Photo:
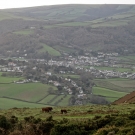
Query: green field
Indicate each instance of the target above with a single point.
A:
(27, 92)
(50, 50)
(48, 99)
(107, 92)
(65, 101)
(10, 103)
(110, 84)
(64, 49)
(8, 79)
(125, 83)
(69, 76)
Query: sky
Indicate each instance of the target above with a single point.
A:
(30, 3)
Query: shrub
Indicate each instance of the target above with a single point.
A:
(4, 123)
(50, 118)
(132, 115)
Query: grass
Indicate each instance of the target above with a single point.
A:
(115, 69)
(74, 112)
(64, 49)
(24, 32)
(10, 103)
(28, 92)
(50, 50)
(59, 97)
(108, 85)
(110, 99)
(48, 99)
(65, 101)
(125, 83)
(8, 79)
(113, 23)
(107, 92)
(69, 75)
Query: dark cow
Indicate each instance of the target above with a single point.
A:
(63, 111)
(47, 109)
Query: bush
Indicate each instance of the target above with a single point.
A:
(4, 123)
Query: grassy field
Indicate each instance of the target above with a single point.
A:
(50, 50)
(125, 83)
(8, 79)
(24, 32)
(28, 91)
(10, 103)
(48, 99)
(115, 69)
(65, 101)
(105, 83)
(74, 112)
(64, 49)
(107, 92)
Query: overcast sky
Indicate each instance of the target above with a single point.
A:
(30, 3)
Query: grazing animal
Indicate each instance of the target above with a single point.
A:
(47, 109)
(63, 111)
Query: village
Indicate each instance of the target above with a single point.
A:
(58, 72)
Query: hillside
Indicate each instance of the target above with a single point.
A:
(129, 98)
(67, 29)
(80, 120)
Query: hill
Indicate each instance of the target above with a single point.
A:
(67, 29)
(129, 98)
(81, 120)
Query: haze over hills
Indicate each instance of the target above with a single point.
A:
(67, 29)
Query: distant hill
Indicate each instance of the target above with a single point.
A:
(67, 29)
(129, 98)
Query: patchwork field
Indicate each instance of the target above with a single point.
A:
(110, 95)
(112, 84)
(113, 89)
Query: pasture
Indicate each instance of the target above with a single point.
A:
(115, 69)
(111, 95)
(73, 112)
(50, 50)
(30, 93)
(8, 79)
(113, 84)
(6, 103)
(124, 83)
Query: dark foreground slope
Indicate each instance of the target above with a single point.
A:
(80, 120)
